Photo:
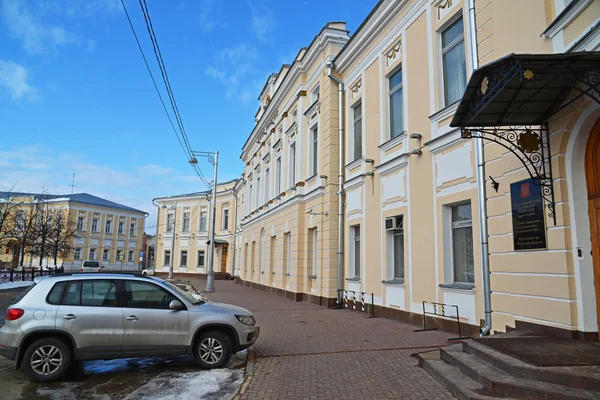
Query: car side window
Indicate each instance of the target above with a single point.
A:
(146, 295)
(56, 293)
(91, 293)
(98, 293)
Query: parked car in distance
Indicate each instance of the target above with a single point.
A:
(87, 316)
(148, 271)
(91, 266)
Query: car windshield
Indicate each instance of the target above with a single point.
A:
(24, 293)
(183, 293)
(91, 264)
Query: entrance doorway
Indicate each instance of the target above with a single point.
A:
(224, 258)
(592, 177)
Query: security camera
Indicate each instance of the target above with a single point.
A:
(309, 211)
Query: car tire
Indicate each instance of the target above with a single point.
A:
(212, 349)
(47, 360)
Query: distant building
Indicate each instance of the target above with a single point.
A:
(106, 231)
(183, 230)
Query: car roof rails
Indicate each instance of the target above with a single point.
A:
(100, 274)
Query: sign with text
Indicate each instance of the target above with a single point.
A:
(529, 228)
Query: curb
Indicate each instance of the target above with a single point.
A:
(247, 375)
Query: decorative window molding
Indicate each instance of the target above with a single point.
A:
(313, 110)
(356, 90)
(443, 8)
(393, 54)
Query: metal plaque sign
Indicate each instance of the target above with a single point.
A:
(529, 228)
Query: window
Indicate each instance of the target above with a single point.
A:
(56, 292)
(454, 62)
(357, 117)
(294, 115)
(292, 164)
(119, 255)
(108, 226)
(278, 176)
(203, 222)
(146, 295)
(167, 258)
(185, 226)
(314, 95)
(183, 258)
(132, 229)
(250, 198)
(462, 244)
(257, 192)
(355, 251)
(95, 225)
(314, 251)
(73, 295)
(130, 256)
(105, 254)
(20, 220)
(201, 258)
(92, 254)
(98, 293)
(395, 94)
(121, 227)
(80, 223)
(225, 219)
(77, 253)
(395, 247)
(263, 245)
(170, 222)
(267, 184)
(314, 150)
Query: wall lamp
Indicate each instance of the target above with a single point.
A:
(311, 212)
(417, 151)
(495, 184)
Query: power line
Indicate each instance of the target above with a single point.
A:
(165, 77)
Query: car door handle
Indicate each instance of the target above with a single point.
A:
(131, 318)
(69, 316)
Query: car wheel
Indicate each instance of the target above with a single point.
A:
(212, 349)
(46, 360)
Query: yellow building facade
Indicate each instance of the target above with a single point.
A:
(422, 82)
(183, 231)
(108, 232)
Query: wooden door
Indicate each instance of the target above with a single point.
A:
(592, 176)
(224, 258)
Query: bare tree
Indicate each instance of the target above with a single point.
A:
(43, 227)
(24, 227)
(8, 209)
(62, 236)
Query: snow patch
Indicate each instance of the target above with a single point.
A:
(18, 284)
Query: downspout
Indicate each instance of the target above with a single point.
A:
(235, 230)
(340, 252)
(481, 194)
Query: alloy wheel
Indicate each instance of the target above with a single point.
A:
(46, 360)
(211, 350)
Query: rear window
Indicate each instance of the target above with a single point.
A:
(24, 293)
(94, 293)
(91, 264)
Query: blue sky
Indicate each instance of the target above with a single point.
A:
(75, 96)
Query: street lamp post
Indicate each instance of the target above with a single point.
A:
(214, 160)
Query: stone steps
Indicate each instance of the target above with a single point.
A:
(470, 370)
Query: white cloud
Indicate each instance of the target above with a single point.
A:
(232, 67)
(14, 78)
(38, 38)
(262, 22)
(207, 17)
(35, 169)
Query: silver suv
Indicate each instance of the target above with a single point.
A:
(81, 316)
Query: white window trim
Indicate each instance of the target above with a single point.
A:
(181, 258)
(95, 230)
(289, 253)
(352, 156)
(312, 158)
(389, 93)
(130, 256)
(292, 182)
(352, 272)
(189, 222)
(204, 258)
(225, 220)
(77, 253)
(267, 184)
(390, 252)
(315, 255)
(278, 174)
(169, 226)
(448, 244)
(165, 257)
(440, 56)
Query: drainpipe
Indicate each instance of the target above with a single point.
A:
(481, 194)
(340, 252)
(235, 229)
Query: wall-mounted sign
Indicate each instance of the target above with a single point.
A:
(529, 227)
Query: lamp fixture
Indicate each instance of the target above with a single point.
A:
(495, 184)
(417, 136)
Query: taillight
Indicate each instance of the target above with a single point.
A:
(13, 314)
(81, 269)
(99, 270)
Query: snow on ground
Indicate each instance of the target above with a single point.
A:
(11, 285)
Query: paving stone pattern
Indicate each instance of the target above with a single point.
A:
(311, 352)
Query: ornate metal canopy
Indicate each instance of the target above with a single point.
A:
(510, 100)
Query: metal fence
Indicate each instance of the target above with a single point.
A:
(440, 310)
(358, 300)
(25, 274)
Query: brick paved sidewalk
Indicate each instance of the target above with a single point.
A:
(311, 352)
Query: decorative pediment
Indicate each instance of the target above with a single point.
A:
(267, 158)
(393, 54)
(291, 131)
(444, 7)
(225, 203)
(121, 218)
(356, 89)
(82, 213)
(313, 110)
(186, 209)
(96, 215)
(277, 146)
(109, 217)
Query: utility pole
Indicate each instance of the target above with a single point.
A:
(173, 243)
(214, 160)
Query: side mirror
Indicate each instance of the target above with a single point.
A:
(102, 266)
(175, 305)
